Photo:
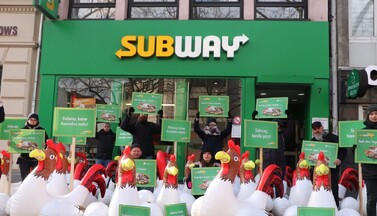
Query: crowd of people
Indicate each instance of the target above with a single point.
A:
(212, 138)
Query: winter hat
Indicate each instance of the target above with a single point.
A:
(371, 108)
(316, 124)
(135, 145)
(33, 115)
(210, 120)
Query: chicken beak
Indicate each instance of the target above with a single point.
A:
(2, 162)
(322, 170)
(304, 164)
(222, 156)
(127, 164)
(116, 158)
(37, 154)
(191, 165)
(249, 165)
(172, 171)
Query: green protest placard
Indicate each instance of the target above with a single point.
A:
(129, 210)
(347, 132)
(201, 178)
(25, 140)
(146, 103)
(175, 130)
(366, 151)
(146, 173)
(68, 140)
(312, 149)
(9, 124)
(315, 211)
(261, 134)
(123, 138)
(213, 106)
(108, 113)
(178, 209)
(272, 107)
(78, 122)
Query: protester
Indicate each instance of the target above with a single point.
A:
(211, 135)
(320, 135)
(2, 112)
(136, 151)
(143, 131)
(369, 171)
(25, 162)
(106, 143)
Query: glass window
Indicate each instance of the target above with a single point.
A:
(281, 9)
(153, 9)
(92, 9)
(216, 9)
(119, 91)
(362, 18)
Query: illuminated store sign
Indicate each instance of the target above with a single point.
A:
(163, 46)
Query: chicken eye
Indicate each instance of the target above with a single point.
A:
(7, 161)
(326, 172)
(318, 172)
(235, 158)
(52, 157)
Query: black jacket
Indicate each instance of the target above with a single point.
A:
(369, 170)
(142, 133)
(106, 142)
(213, 143)
(2, 114)
(37, 127)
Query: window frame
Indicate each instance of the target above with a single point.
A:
(132, 3)
(239, 4)
(303, 3)
(73, 5)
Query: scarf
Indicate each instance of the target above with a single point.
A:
(214, 131)
(370, 125)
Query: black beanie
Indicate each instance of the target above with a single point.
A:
(371, 108)
(33, 115)
(209, 120)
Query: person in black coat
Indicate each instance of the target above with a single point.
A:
(106, 142)
(369, 171)
(142, 131)
(320, 135)
(276, 156)
(2, 112)
(25, 162)
(211, 135)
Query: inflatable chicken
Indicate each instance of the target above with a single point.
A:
(348, 180)
(302, 185)
(4, 170)
(169, 193)
(125, 191)
(57, 185)
(32, 195)
(321, 195)
(247, 180)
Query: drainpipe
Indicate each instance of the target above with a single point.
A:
(33, 101)
(334, 68)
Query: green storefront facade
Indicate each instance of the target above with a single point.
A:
(257, 53)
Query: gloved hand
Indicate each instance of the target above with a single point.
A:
(197, 115)
(255, 113)
(131, 110)
(160, 113)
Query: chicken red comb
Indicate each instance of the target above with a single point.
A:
(50, 143)
(232, 145)
(321, 156)
(302, 155)
(5, 153)
(81, 154)
(61, 146)
(127, 150)
(245, 155)
(172, 158)
(191, 157)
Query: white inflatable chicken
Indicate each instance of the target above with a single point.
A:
(32, 195)
(247, 180)
(57, 184)
(125, 192)
(4, 170)
(321, 195)
(302, 185)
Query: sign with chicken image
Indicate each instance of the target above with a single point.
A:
(366, 151)
(146, 103)
(312, 149)
(213, 106)
(146, 173)
(25, 140)
(108, 113)
(271, 107)
(201, 178)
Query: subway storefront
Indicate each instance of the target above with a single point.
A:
(245, 60)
